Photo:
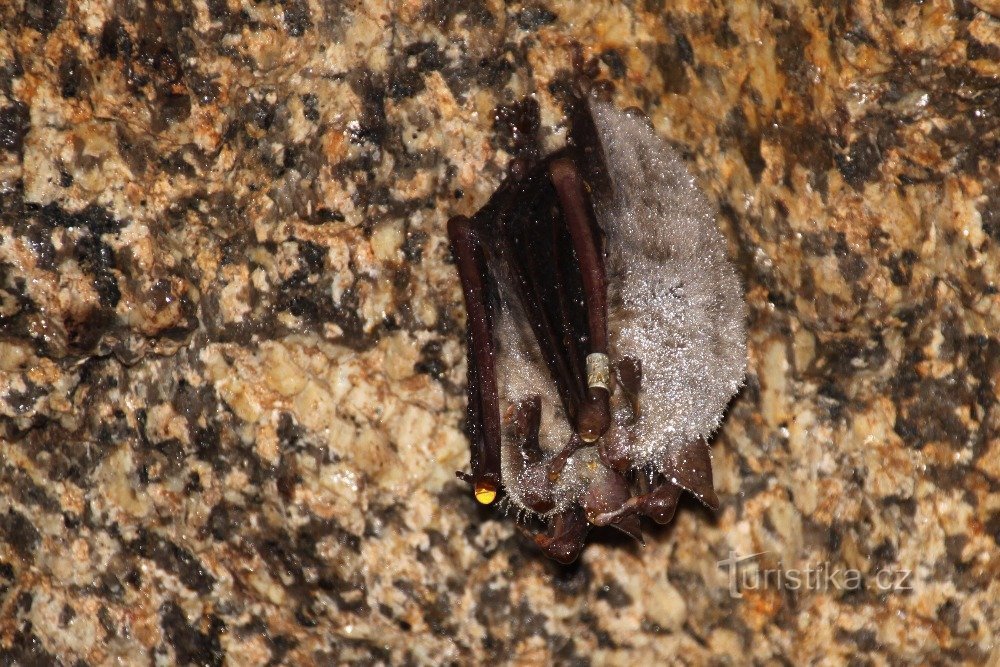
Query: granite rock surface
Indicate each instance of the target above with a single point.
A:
(231, 351)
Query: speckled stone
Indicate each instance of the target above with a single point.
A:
(231, 357)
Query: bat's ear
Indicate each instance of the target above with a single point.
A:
(584, 138)
(586, 72)
(691, 469)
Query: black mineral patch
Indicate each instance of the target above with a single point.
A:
(71, 74)
(447, 12)
(684, 49)
(614, 595)
(297, 19)
(94, 218)
(372, 123)
(852, 264)
(989, 213)
(107, 288)
(93, 254)
(44, 15)
(669, 60)
(173, 559)
(19, 533)
(861, 162)
(192, 645)
(312, 255)
(616, 64)
(218, 10)
(747, 140)
(26, 649)
(407, 70)
(807, 145)
(22, 402)
(993, 527)
(39, 239)
(226, 521)
(930, 413)
(310, 104)
(725, 38)
(790, 50)
(430, 361)
(413, 247)
(115, 40)
(534, 17)
(516, 126)
(175, 108)
(14, 124)
(901, 267)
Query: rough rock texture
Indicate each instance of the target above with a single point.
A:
(230, 336)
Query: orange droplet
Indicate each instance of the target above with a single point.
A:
(485, 493)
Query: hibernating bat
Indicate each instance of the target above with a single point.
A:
(606, 332)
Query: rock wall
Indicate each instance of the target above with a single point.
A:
(231, 350)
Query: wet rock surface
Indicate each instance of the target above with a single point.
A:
(231, 357)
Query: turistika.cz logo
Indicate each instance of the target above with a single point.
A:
(747, 574)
